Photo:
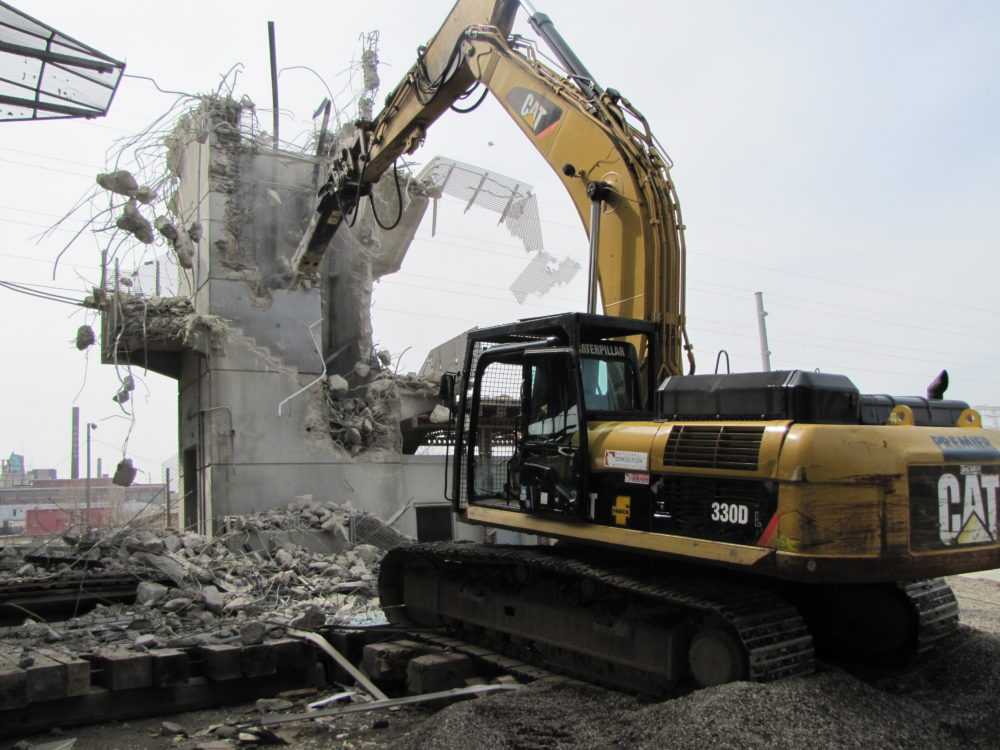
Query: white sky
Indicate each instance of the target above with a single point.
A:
(843, 158)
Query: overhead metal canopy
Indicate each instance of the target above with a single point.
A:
(46, 75)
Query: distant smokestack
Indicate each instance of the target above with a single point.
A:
(74, 454)
(99, 475)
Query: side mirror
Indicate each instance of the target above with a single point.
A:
(446, 391)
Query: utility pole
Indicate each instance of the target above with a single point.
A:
(167, 524)
(765, 353)
(86, 491)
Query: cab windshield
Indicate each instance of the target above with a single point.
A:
(608, 384)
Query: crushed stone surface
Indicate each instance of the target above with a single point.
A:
(944, 700)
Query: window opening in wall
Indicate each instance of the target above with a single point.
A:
(434, 523)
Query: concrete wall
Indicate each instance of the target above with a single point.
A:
(252, 205)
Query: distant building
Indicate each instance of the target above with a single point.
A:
(52, 506)
(12, 470)
(35, 474)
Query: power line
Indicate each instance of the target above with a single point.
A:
(47, 262)
(46, 169)
(694, 254)
(45, 286)
(44, 226)
(49, 157)
(20, 289)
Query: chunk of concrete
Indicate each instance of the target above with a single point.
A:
(433, 673)
(386, 662)
(148, 592)
(170, 667)
(252, 633)
(214, 600)
(124, 670)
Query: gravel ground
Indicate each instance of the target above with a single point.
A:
(943, 701)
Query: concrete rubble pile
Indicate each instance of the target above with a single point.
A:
(159, 322)
(252, 582)
(368, 415)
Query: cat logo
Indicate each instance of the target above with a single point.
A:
(953, 505)
(537, 112)
(967, 506)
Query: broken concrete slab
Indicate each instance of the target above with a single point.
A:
(433, 673)
(387, 662)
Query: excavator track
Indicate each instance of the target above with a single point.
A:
(774, 639)
(936, 608)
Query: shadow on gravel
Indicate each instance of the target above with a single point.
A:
(946, 701)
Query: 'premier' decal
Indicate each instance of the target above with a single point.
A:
(966, 447)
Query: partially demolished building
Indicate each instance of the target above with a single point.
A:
(281, 393)
(281, 390)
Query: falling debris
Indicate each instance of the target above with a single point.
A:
(542, 274)
(85, 337)
(180, 240)
(135, 223)
(514, 200)
(121, 182)
(166, 227)
(124, 473)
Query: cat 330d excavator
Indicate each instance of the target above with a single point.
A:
(710, 527)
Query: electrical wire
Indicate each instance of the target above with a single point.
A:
(40, 294)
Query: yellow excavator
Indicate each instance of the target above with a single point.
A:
(705, 528)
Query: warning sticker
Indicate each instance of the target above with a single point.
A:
(634, 460)
(636, 478)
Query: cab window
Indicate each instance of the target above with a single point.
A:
(608, 384)
(551, 409)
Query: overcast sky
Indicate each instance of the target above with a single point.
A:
(843, 158)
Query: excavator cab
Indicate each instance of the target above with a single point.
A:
(530, 391)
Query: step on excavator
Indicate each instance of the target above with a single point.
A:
(701, 528)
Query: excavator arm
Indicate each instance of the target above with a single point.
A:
(594, 139)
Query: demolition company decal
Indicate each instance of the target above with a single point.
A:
(966, 448)
(631, 460)
(953, 505)
(538, 113)
(603, 350)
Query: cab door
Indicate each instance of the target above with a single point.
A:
(551, 466)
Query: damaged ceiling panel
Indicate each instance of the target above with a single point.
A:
(541, 274)
(513, 200)
(517, 205)
(45, 74)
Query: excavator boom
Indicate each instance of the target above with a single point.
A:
(594, 139)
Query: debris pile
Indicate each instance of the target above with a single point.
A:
(164, 323)
(366, 416)
(252, 582)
